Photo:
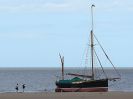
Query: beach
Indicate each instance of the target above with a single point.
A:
(72, 95)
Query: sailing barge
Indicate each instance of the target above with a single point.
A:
(91, 84)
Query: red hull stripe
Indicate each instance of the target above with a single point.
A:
(97, 89)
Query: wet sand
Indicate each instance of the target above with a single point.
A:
(47, 95)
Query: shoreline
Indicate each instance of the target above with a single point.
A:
(67, 95)
(31, 92)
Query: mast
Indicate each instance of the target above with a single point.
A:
(92, 45)
(62, 64)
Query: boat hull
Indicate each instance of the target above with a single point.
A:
(84, 84)
(96, 89)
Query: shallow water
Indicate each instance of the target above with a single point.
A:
(43, 79)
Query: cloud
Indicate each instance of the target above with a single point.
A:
(66, 5)
(63, 5)
(114, 5)
(21, 35)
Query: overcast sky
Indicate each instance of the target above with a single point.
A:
(34, 32)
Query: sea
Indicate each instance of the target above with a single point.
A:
(43, 79)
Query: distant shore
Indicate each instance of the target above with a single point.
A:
(72, 95)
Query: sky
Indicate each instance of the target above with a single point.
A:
(34, 32)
